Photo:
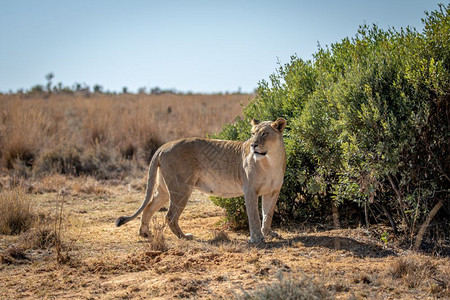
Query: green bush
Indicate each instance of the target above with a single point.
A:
(368, 125)
(235, 209)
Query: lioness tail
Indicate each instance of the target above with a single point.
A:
(152, 171)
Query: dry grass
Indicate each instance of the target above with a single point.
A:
(157, 241)
(102, 135)
(23, 130)
(13, 256)
(423, 272)
(298, 288)
(414, 272)
(35, 231)
(109, 262)
(41, 237)
(219, 237)
(16, 213)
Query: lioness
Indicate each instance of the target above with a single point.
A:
(222, 168)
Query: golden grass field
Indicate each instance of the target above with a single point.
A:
(73, 250)
(34, 129)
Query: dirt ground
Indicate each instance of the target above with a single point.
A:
(102, 261)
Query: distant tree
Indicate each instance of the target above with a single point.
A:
(77, 87)
(125, 90)
(156, 90)
(98, 88)
(38, 88)
(49, 78)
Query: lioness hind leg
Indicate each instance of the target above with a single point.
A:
(177, 204)
(159, 199)
(179, 192)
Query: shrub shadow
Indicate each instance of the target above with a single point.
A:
(359, 249)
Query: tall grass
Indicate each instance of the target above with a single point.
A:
(19, 217)
(25, 128)
(103, 134)
(16, 214)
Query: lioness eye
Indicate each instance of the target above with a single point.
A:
(265, 134)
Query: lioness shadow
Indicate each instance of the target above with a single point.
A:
(359, 249)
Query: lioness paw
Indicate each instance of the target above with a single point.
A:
(188, 236)
(272, 234)
(256, 240)
(144, 234)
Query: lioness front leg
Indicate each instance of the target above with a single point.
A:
(254, 221)
(269, 203)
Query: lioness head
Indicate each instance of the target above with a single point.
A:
(266, 136)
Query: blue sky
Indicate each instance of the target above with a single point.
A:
(198, 46)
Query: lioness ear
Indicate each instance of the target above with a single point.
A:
(279, 124)
(254, 122)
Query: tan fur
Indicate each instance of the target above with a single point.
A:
(222, 168)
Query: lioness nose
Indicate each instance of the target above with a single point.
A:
(254, 145)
